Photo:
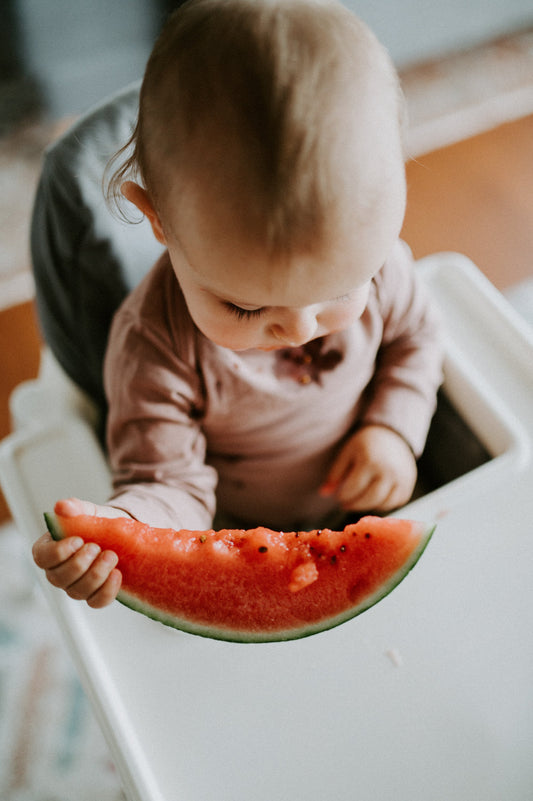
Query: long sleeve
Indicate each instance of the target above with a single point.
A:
(155, 440)
(402, 392)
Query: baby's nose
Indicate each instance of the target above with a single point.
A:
(296, 326)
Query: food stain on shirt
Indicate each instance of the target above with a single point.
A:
(307, 363)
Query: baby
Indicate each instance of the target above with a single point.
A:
(279, 364)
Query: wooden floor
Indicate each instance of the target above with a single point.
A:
(475, 197)
(19, 360)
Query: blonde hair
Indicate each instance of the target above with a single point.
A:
(262, 80)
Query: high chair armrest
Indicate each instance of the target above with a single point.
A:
(54, 451)
(47, 459)
(51, 396)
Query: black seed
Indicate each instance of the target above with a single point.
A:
(333, 559)
(367, 536)
(262, 549)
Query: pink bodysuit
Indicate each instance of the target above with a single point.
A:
(195, 428)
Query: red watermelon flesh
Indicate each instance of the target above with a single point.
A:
(254, 585)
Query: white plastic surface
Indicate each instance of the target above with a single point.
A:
(428, 695)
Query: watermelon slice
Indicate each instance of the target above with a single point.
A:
(254, 585)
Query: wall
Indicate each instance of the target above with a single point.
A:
(82, 51)
(418, 30)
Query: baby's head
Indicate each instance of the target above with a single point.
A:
(268, 157)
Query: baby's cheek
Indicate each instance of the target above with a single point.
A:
(344, 316)
(229, 333)
(346, 312)
(360, 301)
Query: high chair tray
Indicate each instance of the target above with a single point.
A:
(428, 695)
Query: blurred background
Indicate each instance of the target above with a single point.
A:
(65, 56)
(466, 65)
(467, 72)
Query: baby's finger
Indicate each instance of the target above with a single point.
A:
(107, 592)
(48, 554)
(71, 570)
(399, 495)
(362, 502)
(356, 486)
(70, 507)
(375, 495)
(94, 578)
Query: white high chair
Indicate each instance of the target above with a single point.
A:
(428, 695)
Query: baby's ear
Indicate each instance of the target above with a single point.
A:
(140, 198)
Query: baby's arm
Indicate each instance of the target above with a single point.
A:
(155, 439)
(82, 570)
(376, 468)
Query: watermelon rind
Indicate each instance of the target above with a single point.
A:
(54, 526)
(237, 636)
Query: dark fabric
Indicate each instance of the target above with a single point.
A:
(85, 259)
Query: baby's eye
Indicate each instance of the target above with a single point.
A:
(243, 314)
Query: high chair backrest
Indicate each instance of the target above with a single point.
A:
(86, 259)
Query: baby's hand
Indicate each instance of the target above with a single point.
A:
(375, 470)
(82, 570)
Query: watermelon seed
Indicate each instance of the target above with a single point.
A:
(342, 548)
(333, 559)
(202, 538)
(262, 549)
(367, 536)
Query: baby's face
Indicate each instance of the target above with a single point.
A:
(241, 299)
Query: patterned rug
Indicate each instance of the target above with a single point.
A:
(51, 748)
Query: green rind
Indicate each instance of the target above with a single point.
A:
(53, 525)
(229, 635)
